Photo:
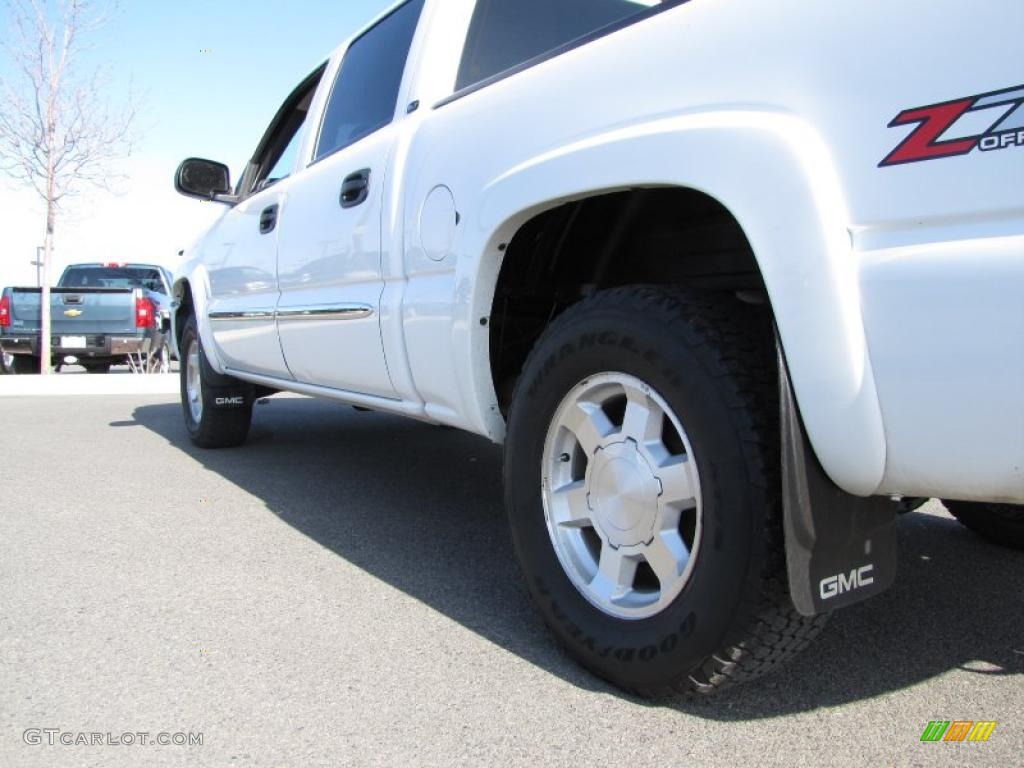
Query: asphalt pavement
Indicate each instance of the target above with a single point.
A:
(341, 591)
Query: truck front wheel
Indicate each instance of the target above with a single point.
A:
(999, 523)
(643, 487)
(217, 408)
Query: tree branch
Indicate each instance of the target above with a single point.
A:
(58, 134)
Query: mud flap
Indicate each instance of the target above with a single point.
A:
(840, 548)
(232, 397)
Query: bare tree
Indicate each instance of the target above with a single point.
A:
(58, 132)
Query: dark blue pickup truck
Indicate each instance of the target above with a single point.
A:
(100, 314)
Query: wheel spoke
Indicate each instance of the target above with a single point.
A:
(642, 419)
(615, 573)
(621, 491)
(569, 505)
(667, 555)
(677, 485)
(193, 381)
(670, 517)
(589, 424)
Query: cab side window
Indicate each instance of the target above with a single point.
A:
(365, 92)
(507, 33)
(286, 162)
(277, 153)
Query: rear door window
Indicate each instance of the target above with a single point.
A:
(365, 93)
(505, 34)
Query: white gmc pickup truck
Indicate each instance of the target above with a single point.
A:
(735, 283)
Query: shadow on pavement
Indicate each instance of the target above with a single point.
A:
(420, 507)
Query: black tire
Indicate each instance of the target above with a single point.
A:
(1001, 524)
(25, 364)
(712, 360)
(222, 424)
(97, 367)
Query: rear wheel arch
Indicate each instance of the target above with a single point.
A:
(552, 258)
(777, 176)
(817, 327)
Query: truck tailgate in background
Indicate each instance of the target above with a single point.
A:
(76, 310)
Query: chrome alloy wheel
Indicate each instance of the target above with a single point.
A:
(194, 382)
(621, 495)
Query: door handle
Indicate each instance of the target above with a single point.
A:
(355, 188)
(268, 220)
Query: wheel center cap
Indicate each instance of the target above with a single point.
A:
(623, 494)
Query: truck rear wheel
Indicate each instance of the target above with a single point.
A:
(160, 360)
(25, 364)
(1001, 524)
(217, 408)
(643, 487)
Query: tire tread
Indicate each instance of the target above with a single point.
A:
(735, 341)
(219, 428)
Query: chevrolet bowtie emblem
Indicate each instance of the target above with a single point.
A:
(72, 312)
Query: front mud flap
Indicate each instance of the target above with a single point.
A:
(840, 548)
(231, 398)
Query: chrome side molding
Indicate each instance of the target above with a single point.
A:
(253, 314)
(316, 312)
(328, 312)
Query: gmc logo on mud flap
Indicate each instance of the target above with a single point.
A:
(229, 401)
(843, 582)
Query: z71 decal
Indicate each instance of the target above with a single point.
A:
(987, 122)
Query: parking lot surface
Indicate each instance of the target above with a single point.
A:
(341, 591)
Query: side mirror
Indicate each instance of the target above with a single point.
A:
(204, 179)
